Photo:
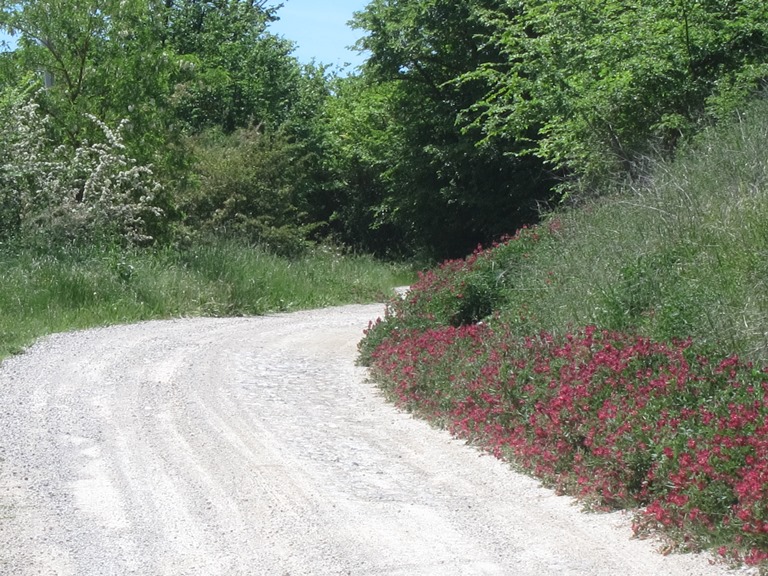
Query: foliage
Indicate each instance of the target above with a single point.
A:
(593, 87)
(320, 193)
(441, 189)
(615, 349)
(247, 189)
(102, 58)
(54, 195)
(358, 136)
(234, 73)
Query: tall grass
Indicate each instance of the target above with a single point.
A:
(682, 253)
(84, 287)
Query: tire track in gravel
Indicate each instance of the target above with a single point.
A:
(256, 446)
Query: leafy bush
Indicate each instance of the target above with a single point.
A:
(246, 188)
(53, 195)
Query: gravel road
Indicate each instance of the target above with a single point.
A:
(256, 446)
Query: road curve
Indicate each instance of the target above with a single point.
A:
(255, 446)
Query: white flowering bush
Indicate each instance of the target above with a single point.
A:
(53, 194)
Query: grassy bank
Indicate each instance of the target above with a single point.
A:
(79, 288)
(615, 351)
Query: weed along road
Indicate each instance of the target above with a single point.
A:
(255, 446)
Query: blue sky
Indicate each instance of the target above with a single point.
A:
(318, 28)
(4, 38)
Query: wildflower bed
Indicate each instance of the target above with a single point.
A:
(617, 419)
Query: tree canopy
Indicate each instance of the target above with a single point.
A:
(445, 188)
(591, 87)
(468, 118)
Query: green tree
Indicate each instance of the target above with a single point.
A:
(102, 58)
(250, 109)
(444, 191)
(358, 134)
(235, 73)
(592, 87)
(162, 65)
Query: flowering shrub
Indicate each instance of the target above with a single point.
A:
(618, 420)
(456, 293)
(57, 194)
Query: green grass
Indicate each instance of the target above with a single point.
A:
(683, 253)
(81, 288)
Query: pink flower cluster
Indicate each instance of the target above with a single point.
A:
(618, 420)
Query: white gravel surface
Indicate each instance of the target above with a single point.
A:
(256, 446)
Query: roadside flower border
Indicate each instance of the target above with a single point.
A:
(615, 419)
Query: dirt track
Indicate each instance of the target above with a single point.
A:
(255, 446)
